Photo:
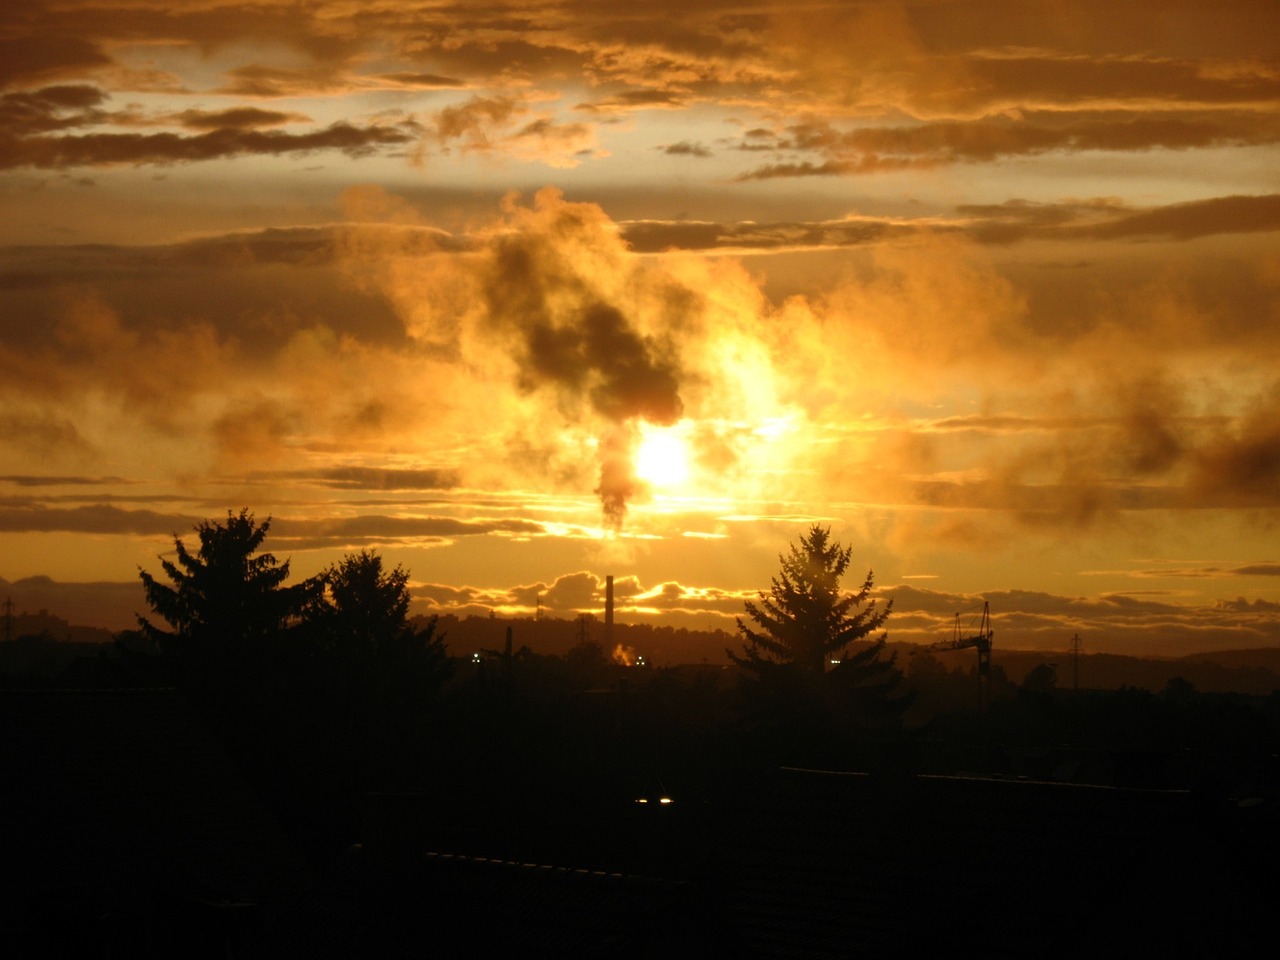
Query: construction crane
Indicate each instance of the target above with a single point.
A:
(962, 639)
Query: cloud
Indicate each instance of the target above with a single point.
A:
(584, 592)
(806, 168)
(628, 100)
(471, 122)
(1013, 221)
(253, 429)
(929, 62)
(654, 236)
(1221, 572)
(1258, 570)
(63, 481)
(547, 291)
(884, 87)
(258, 81)
(25, 59)
(536, 349)
(422, 81)
(568, 592)
(1038, 372)
(43, 434)
(1200, 218)
(550, 304)
(96, 518)
(31, 112)
(509, 125)
(686, 148)
(35, 125)
(374, 478)
(1240, 467)
(1107, 219)
(288, 533)
(868, 150)
(373, 529)
(106, 149)
(237, 118)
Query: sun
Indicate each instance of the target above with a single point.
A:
(662, 457)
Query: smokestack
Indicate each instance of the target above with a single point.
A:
(608, 612)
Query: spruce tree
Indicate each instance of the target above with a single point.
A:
(225, 597)
(803, 635)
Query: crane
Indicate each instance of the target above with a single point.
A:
(962, 639)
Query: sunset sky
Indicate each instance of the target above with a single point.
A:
(521, 294)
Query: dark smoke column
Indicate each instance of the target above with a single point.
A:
(617, 474)
(571, 339)
(626, 377)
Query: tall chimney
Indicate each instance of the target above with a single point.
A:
(608, 613)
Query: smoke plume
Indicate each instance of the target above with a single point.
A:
(575, 308)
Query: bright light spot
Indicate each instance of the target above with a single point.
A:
(662, 458)
(774, 427)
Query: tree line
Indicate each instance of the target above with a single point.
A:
(325, 691)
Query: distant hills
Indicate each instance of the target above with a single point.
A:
(1254, 672)
(54, 627)
(52, 642)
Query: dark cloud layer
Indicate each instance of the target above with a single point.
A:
(878, 149)
(36, 130)
(377, 478)
(161, 148)
(95, 518)
(289, 533)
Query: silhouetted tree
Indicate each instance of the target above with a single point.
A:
(1042, 678)
(805, 620)
(226, 596)
(364, 606)
(804, 625)
(1179, 690)
(362, 618)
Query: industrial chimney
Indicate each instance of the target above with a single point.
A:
(608, 612)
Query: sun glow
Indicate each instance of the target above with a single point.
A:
(662, 457)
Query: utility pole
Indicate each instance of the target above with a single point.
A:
(8, 619)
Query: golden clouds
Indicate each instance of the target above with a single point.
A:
(529, 352)
(975, 280)
(510, 126)
(848, 89)
(229, 133)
